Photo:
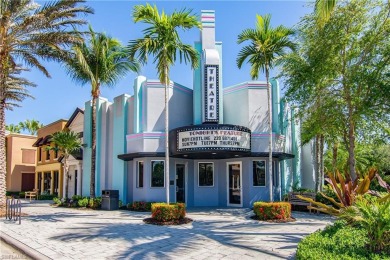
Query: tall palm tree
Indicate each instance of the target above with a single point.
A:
(100, 61)
(31, 126)
(161, 39)
(66, 143)
(30, 33)
(266, 47)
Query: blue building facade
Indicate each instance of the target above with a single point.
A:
(218, 138)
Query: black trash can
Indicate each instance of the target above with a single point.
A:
(110, 199)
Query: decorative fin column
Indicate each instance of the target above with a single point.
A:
(211, 89)
(120, 115)
(87, 151)
(138, 82)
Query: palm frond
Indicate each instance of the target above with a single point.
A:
(161, 39)
(267, 45)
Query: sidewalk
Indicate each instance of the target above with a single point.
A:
(62, 233)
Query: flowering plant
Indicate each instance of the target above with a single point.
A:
(167, 212)
(272, 210)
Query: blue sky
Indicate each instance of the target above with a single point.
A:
(57, 97)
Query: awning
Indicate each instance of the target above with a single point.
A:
(207, 155)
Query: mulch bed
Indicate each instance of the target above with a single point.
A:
(275, 220)
(173, 222)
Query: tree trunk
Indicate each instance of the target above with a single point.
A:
(335, 155)
(321, 165)
(3, 171)
(351, 138)
(351, 150)
(93, 147)
(166, 134)
(317, 163)
(271, 197)
(67, 178)
(3, 77)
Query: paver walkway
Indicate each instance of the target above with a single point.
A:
(62, 233)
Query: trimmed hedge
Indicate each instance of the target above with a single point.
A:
(140, 206)
(338, 241)
(272, 210)
(164, 212)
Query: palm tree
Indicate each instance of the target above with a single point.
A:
(162, 40)
(267, 47)
(323, 10)
(30, 33)
(31, 126)
(66, 143)
(13, 128)
(100, 61)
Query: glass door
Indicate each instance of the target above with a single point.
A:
(180, 183)
(234, 184)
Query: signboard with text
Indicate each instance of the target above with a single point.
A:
(214, 139)
(211, 93)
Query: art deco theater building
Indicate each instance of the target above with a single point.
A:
(218, 138)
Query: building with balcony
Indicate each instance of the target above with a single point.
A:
(48, 171)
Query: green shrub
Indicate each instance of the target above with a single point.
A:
(77, 197)
(140, 206)
(57, 201)
(12, 193)
(272, 210)
(164, 212)
(82, 202)
(338, 241)
(372, 215)
(46, 197)
(95, 203)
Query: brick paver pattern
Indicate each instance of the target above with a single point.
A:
(65, 233)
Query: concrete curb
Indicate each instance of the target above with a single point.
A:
(22, 247)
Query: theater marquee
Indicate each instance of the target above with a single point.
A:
(212, 137)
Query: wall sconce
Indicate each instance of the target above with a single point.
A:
(69, 177)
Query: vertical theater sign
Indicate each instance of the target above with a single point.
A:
(211, 92)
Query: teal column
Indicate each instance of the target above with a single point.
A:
(100, 144)
(296, 148)
(283, 125)
(197, 88)
(218, 47)
(138, 103)
(282, 121)
(275, 105)
(119, 172)
(87, 141)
